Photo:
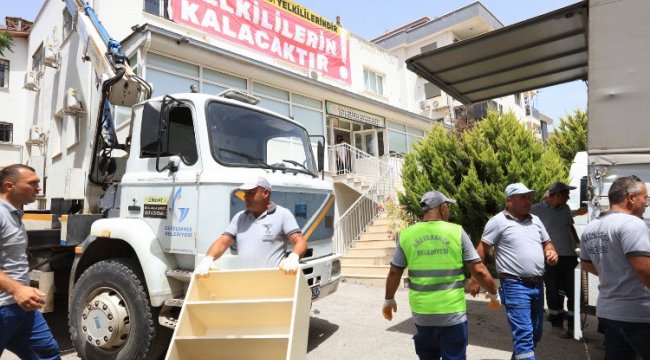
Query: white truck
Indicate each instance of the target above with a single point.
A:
(160, 191)
(603, 42)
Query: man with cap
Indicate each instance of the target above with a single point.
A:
(521, 244)
(434, 251)
(261, 233)
(556, 217)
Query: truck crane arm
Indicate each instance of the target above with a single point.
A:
(119, 86)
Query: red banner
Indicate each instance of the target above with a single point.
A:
(277, 28)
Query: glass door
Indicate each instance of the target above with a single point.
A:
(366, 141)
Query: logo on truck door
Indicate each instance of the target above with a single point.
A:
(179, 213)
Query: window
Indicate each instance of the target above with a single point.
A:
(177, 139)
(305, 110)
(6, 132)
(401, 138)
(68, 21)
(37, 59)
(4, 73)
(373, 82)
(156, 7)
(243, 137)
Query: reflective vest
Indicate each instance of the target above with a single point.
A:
(434, 258)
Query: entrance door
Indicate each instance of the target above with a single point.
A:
(366, 141)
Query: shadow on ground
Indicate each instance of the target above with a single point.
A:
(319, 331)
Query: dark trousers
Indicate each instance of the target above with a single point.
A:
(624, 340)
(559, 283)
(446, 342)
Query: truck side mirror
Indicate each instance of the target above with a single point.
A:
(321, 156)
(584, 191)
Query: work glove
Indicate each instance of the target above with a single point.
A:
(202, 270)
(290, 264)
(390, 306)
(495, 301)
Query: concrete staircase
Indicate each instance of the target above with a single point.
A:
(356, 182)
(368, 260)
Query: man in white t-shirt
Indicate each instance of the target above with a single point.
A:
(261, 233)
(616, 247)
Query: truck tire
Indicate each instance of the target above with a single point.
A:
(110, 316)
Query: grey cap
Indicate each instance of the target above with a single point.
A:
(258, 181)
(558, 187)
(433, 199)
(517, 189)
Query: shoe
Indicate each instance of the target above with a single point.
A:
(566, 334)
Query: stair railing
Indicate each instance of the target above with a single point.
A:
(365, 209)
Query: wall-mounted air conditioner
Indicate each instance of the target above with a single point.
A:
(71, 103)
(35, 136)
(32, 80)
(51, 55)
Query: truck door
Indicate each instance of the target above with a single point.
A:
(170, 196)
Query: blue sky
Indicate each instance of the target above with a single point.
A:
(371, 18)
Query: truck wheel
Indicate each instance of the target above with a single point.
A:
(110, 316)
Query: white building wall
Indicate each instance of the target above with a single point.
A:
(13, 102)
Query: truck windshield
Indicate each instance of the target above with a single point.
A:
(241, 136)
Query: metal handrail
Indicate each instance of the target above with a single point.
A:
(363, 211)
(346, 159)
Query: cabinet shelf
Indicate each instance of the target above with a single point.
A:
(245, 314)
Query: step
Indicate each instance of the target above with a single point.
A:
(387, 243)
(368, 236)
(377, 229)
(375, 270)
(382, 221)
(365, 260)
(379, 251)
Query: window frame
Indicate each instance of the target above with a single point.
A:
(8, 129)
(378, 85)
(5, 66)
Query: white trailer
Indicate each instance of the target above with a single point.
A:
(159, 191)
(602, 42)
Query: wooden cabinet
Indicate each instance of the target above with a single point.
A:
(245, 314)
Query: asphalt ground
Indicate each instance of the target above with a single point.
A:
(349, 325)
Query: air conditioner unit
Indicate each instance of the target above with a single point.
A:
(435, 104)
(32, 81)
(51, 55)
(35, 136)
(71, 103)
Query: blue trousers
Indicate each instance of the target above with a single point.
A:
(524, 303)
(26, 334)
(448, 342)
(623, 340)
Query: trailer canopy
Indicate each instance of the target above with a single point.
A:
(546, 50)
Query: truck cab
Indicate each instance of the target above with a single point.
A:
(173, 194)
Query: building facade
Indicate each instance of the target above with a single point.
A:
(299, 64)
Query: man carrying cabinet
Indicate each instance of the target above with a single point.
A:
(260, 232)
(434, 252)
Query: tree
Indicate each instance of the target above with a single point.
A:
(475, 166)
(6, 42)
(570, 136)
